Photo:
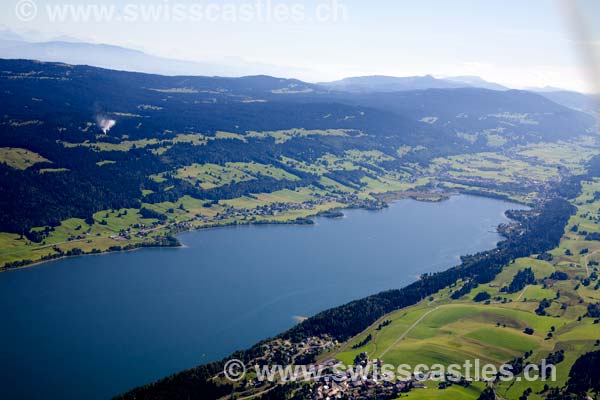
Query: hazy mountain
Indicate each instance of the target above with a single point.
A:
(476, 81)
(6, 34)
(380, 83)
(545, 89)
(33, 36)
(204, 104)
(120, 58)
(577, 101)
(104, 56)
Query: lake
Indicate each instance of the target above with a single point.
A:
(94, 326)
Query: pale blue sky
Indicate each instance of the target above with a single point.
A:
(517, 43)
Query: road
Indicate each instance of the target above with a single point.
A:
(586, 260)
(522, 293)
(406, 332)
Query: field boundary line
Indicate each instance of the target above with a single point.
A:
(407, 331)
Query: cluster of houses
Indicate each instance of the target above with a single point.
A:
(268, 210)
(330, 380)
(342, 387)
(230, 212)
(352, 384)
(285, 352)
(273, 209)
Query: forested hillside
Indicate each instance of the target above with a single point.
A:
(82, 146)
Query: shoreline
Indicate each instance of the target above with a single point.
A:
(217, 364)
(68, 267)
(334, 213)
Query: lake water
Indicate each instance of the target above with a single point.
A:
(92, 327)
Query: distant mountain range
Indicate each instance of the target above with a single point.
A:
(476, 81)
(106, 56)
(71, 51)
(60, 111)
(379, 83)
(388, 84)
(264, 103)
(577, 101)
(125, 59)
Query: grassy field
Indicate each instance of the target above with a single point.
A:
(125, 145)
(229, 136)
(453, 392)
(74, 233)
(51, 170)
(196, 139)
(20, 158)
(569, 155)
(493, 166)
(285, 135)
(208, 176)
(281, 196)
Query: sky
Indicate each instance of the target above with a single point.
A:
(516, 43)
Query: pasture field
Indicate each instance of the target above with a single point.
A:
(52, 170)
(453, 333)
(75, 233)
(281, 196)
(570, 155)
(196, 139)
(125, 145)
(229, 136)
(371, 156)
(331, 162)
(332, 185)
(391, 183)
(495, 140)
(494, 167)
(105, 162)
(453, 392)
(315, 168)
(285, 135)
(258, 169)
(20, 158)
(209, 176)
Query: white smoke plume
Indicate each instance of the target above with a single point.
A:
(105, 124)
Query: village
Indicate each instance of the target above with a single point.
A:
(234, 215)
(284, 361)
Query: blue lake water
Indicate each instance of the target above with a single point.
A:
(94, 326)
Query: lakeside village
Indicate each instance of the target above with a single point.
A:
(176, 220)
(328, 379)
(259, 215)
